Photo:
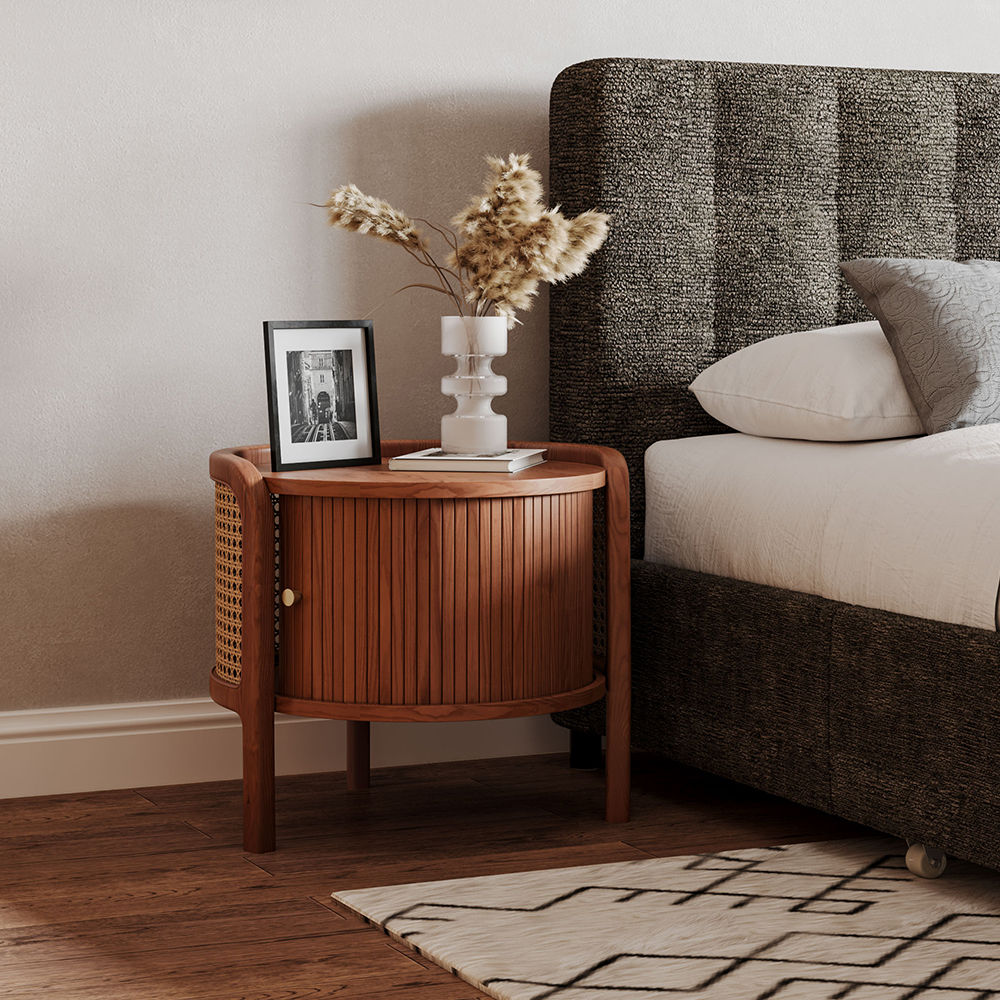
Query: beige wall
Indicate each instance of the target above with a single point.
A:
(155, 162)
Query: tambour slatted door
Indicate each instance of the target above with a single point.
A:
(530, 599)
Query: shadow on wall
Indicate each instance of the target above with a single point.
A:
(128, 587)
(426, 157)
(114, 603)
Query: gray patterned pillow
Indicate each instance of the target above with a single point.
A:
(942, 320)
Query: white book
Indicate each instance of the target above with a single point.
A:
(435, 460)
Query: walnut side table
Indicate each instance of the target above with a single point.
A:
(368, 595)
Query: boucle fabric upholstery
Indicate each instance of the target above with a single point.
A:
(735, 190)
(883, 719)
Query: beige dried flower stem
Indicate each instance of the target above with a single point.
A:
(350, 208)
(413, 284)
(507, 243)
(428, 261)
(452, 240)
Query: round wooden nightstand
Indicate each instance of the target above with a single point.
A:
(368, 595)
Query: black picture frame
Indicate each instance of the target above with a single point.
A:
(321, 417)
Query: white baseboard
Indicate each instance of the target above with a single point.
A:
(53, 751)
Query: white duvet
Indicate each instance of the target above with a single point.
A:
(908, 525)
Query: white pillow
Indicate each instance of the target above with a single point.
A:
(840, 383)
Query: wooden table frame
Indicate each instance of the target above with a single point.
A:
(243, 471)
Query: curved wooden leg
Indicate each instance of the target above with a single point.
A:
(358, 755)
(617, 755)
(617, 759)
(258, 782)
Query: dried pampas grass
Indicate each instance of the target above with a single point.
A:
(349, 208)
(508, 242)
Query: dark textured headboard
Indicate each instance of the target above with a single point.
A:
(734, 190)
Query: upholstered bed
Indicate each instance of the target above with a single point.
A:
(735, 190)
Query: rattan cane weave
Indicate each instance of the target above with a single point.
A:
(276, 512)
(228, 585)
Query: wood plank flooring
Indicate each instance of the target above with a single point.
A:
(146, 893)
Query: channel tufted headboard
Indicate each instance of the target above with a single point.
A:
(735, 189)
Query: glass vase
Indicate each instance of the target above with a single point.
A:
(474, 341)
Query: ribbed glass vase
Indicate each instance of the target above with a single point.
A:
(474, 341)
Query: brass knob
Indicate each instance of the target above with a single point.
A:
(289, 596)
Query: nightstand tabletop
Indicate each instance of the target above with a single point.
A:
(380, 481)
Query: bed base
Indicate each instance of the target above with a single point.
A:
(883, 719)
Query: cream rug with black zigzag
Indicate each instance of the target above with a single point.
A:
(842, 920)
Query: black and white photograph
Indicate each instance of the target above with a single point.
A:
(321, 396)
(321, 393)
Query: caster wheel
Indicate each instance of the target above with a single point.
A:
(926, 862)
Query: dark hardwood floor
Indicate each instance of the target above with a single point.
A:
(147, 893)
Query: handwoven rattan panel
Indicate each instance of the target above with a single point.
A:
(228, 585)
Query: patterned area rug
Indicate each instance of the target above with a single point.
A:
(842, 920)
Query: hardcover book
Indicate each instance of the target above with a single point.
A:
(435, 460)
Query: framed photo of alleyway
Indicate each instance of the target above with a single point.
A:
(321, 395)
